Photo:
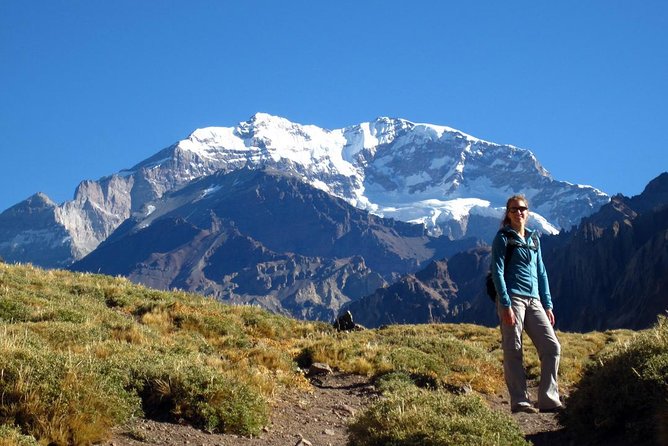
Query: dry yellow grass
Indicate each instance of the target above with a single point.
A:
(132, 351)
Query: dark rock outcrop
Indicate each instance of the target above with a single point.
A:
(612, 270)
(444, 291)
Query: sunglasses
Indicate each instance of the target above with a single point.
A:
(514, 209)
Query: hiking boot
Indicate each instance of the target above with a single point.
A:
(557, 409)
(524, 409)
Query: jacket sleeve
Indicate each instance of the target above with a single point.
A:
(497, 268)
(543, 283)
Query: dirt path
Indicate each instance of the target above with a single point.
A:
(541, 429)
(319, 417)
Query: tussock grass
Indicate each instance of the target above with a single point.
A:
(426, 350)
(411, 416)
(624, 392)
(80, 353)
(64, 397)
(460, 355)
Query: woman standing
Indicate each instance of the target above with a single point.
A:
(524, 303)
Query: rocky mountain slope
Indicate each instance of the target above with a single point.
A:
(442, 178)
(28, 233)
(446, 290)
(264, 237)
(611, 271)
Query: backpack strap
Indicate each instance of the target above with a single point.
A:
(512, 243)
(510, 248)
(534, 237)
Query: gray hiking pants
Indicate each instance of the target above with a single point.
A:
(531, 317)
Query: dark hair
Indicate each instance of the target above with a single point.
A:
(518, 197)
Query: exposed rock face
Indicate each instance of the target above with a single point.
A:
(612, 270)
(97, 209)
(445, 291)
(30, 232)
(266, 238)
(222, 263)
(49, 235)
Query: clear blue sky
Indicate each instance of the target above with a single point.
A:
(89, 87)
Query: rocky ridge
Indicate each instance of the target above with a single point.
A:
(615, 263)
(448, 290)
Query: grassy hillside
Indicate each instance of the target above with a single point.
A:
(624, 392)
(80, 353)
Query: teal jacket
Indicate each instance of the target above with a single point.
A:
(525, 274)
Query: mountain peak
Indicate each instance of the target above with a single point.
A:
(658, 185)
(260, 118)
(36, 201)
(40, 198)
(655, 194)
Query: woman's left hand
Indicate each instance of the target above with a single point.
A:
(550, 316)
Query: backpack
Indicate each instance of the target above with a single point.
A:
(510, 248)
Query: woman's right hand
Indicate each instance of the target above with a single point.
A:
(508, 316)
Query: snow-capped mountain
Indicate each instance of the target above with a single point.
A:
(451, 182)
(423, 173)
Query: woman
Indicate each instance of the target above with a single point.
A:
(524, 303)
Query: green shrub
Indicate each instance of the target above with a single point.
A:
(215, 402)
(12, 436)
(13, 311)
(394, 381)
(410, 416)
(624, 393)
(428, 351)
